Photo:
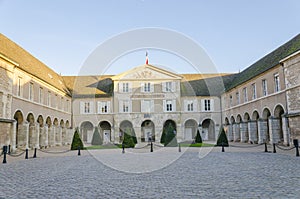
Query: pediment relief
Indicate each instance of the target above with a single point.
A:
(147, 73)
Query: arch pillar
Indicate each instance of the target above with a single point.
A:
(285, 130)
(274, 124)
(179, 132)
(26, 134)
(252, 130)
(14, 135)
(236, 132)
(46, 132)
(138, 134)
(230, 132)
(51, 136)
(58, 139)
(37, 132)
(262, 126)
(244, 131)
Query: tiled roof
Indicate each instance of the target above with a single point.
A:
(267, 62)
(30, 64)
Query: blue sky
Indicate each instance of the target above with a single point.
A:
(234, 33)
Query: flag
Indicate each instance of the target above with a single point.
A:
(147, 58)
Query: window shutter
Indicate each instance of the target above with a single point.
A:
(142, 87)
(151, 87)
(164, 105)
(92, 107)
(130, 87)
(173, 105)
(163, 86)
(173, 87)
(211, 105)
(81, 107)
(120, 87)
(108, 106)
(202, 105)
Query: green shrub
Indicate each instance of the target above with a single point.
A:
(96, 140)
(222, 139)
(76, 141)
(198, 138)
(170, 138)
(163, 137)
(128, 139)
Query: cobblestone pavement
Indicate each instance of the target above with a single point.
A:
(233, 174)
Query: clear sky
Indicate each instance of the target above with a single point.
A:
(234, 33)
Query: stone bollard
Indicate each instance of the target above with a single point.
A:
(34, 154)
(274, 148)
(26, 154)
(4, 154)
(296, 144)
(151, 148)
(266, 147)
(223, 149)
(179, 147)
(123, 148)
(79, 151)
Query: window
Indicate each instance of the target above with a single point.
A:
(19, 87)
(230, 101)
(190, 105)
(245, 95)
(31, 91)
(237, 97)
(49, 98)
(147, 87)
(56, 101)
(125, 87)
(125, 107)
(264, 87)
(86, 107)
(147, 106)
(207, 105)
(169, 105)
(41, 95)
(168, 86)
(277, 82)
(253, 91)
(104, 107)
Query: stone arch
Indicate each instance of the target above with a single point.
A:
(278, 114)
(48, 122)
(55, 122)
(239, 118)
(67, 124)
(40, 120)
(232, 120)
(226, 121)
(208, 128)
(86, 131)
(246, 117)
(62, 123)
(148, 131)
(105, 131)
(190, 129)
(127, 127)
(20, 137)
(255, 115)
(32, 132)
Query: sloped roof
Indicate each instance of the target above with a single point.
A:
(30, 64)
(267, 62)
(89, 86)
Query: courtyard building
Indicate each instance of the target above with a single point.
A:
(40, 108)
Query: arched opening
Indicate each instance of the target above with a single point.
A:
(20, 139)
(67, 124)
(148, 131)
(278, 112)
(127, 127)
(86, 131)
(32, 136)
(49, 133)
(265, 116)
(233, 129)
(239, 118)
(190, 129)
(246, 117)
(40, 121)
(253, 131)
(105, 131)
(62, 137)
(208, 129)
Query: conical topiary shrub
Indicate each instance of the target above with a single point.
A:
(170, 139)
(222, 139)
(163, 137)
(198, 138)
(96, 140)
(128, 140)
(76, 141)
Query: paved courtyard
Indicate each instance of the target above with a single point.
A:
(193, 174)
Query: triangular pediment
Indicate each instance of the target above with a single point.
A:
(147, 72)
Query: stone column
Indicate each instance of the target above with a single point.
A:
(59, 136)
(137, 131)
(14, 135)
(252, 130)
(46, 131)
(274, 124)
(262, 126)
(244, 131)
(51, 135)
(179, 132)
(158, 132)
(26, 133)
(285, 131)
(37, 131)
(112, 134)
(117, 134)
(236, 132)
(230, 131)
